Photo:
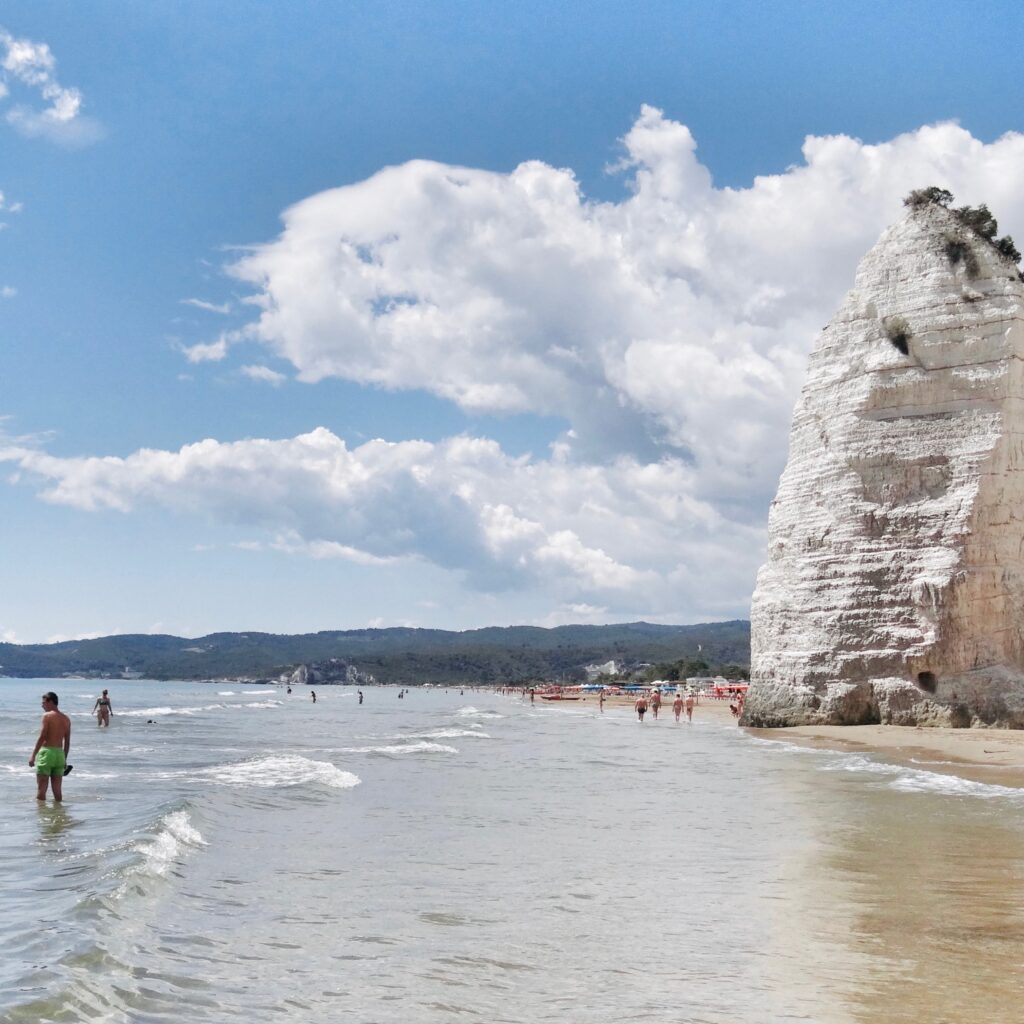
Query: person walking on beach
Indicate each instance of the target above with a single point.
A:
(49, 758)
(655, 701)
(677, 705)
(641, 707)
(600, 701)
(312, 694)
(360, 692)
(103, 709)
(688, 704)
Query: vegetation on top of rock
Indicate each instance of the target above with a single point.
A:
(932, 196)
(977, 219)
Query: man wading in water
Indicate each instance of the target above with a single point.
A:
(51, 749)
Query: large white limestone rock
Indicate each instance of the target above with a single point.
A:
(894, 586)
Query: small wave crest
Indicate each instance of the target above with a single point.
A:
(782, 745)
(277, 770)
(471, 712)
(441, 734)
(913, 780)
(916, 780)
(422, 747)
(860, 763)
(163, 711)
(174, 837)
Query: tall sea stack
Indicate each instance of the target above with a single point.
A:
(894, 586)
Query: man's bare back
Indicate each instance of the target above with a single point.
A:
(56, 729)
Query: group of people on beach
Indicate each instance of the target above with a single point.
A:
(680, 703)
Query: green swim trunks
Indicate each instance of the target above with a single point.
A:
(50, 761)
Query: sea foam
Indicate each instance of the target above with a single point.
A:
(161, 712)
(277, 770)
(422, 747)
(439, 734)
(471, 712)
(175, 836)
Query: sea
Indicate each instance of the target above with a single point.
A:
(230, 852)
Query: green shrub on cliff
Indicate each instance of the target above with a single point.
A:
(977, 219)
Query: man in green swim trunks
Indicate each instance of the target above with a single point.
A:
(50, 755)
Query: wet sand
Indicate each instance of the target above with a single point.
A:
(986, 755)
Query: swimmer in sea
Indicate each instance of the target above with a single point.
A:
(103, 709)
(360, 692)
(688, 704)
(49, 758)
(312, 694)
(641, 707)
(677, 705)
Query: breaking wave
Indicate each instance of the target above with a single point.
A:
(277, 770)
(471, 712)
(174, 837)
(441, 734)
(422, 747)
(163, 711)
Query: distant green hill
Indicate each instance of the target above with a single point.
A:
(493, 655)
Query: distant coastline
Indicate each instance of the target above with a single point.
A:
(492, 656)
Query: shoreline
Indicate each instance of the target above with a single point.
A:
(994, 756)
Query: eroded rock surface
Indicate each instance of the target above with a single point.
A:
(894, 586)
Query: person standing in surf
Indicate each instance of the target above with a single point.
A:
(103, 709)
(49, 758)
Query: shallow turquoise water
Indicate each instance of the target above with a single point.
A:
(251, 856)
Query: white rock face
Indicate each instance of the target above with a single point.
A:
(894, 586)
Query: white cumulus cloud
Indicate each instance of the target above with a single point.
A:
(675, 321)
(32, 66)
(265, 374)
(627, 533)
(669, 329)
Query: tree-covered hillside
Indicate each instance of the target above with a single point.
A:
(493, 655)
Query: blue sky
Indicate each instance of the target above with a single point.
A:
(577, 308)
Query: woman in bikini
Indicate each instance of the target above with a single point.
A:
(102, 709)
